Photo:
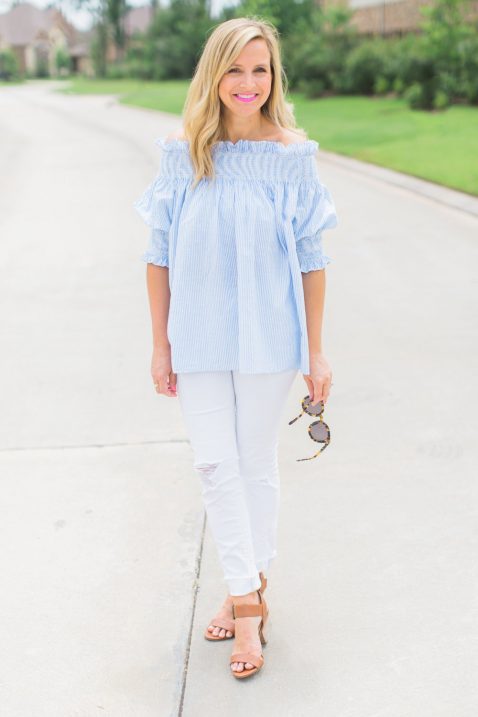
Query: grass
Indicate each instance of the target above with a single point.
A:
(438, 146)
(165, 96)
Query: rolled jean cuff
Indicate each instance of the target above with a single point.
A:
(242, 586)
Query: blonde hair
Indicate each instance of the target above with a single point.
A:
(202, 117)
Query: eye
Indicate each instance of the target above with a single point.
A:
(236, 69)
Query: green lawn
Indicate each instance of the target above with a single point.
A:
(439, 146)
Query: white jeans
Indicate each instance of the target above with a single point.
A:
(233, 420)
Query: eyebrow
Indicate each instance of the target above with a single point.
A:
(259, 64)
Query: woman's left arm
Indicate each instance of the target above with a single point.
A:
(320, 376)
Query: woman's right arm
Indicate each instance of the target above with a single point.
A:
(157, 280)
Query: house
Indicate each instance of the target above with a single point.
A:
(35, 35)
(389, 17)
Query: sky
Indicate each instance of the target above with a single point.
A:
(82, 19)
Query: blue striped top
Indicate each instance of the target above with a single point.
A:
(235, 247)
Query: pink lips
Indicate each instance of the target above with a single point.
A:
(243, 99)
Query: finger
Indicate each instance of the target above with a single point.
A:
(310, 386)
(318, 392)
(157, 384)
(160, 384)
(328, 387)
(325, 391)
(172, 383)
(170, 391)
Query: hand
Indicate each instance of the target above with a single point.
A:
(319, 380)
(161, 371)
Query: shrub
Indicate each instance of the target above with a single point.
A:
(312, 88)
(469, 63)
(8, 66)
(449, 42)
(414, 96)
(315, 53)
(118, 71)
(381, 85)
(363, 64)
(420, 71)
(175, 38)
(441, 100)
(63, 61)
(398, 86)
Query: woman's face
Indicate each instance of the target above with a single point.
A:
(249, 74)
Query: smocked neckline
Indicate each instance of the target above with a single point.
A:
(306, 147)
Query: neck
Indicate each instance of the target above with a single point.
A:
(236, 128)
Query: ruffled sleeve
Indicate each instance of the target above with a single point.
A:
(155, 206)
(315, 211)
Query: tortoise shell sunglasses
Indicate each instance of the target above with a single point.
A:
(318, 430)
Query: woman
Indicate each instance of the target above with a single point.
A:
(236, 284)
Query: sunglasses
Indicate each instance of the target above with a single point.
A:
(318, 430)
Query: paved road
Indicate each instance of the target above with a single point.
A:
(108, 577)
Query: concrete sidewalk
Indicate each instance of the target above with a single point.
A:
(109, 577)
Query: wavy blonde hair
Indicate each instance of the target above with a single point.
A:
(202, 117)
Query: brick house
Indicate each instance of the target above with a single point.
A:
(389, 17)
(34, 35)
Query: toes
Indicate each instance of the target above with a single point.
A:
(221, 632)
(240, 666)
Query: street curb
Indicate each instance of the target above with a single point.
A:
(450, 197)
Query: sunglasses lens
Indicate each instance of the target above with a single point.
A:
(313, 410)
(319, 432)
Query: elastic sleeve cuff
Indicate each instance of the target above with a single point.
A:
(310, 254)
(157, 250)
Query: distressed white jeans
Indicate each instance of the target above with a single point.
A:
(233, 421)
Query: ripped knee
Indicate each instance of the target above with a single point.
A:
(207, 471)
(218, 473)
(206, 468)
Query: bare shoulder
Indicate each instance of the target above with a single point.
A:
(290, 136)
(176, 134)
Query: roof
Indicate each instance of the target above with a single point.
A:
(22, 24)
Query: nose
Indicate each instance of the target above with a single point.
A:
(248, 79)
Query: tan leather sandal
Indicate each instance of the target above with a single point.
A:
(250, 610)
(227, 623)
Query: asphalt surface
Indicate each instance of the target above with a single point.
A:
(108, 572)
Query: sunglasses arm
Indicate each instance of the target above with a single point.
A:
(315, 454)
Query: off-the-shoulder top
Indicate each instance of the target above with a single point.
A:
(236, 247)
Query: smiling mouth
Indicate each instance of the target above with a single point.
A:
(245, 98)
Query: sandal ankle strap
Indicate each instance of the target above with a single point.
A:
(248, 610)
